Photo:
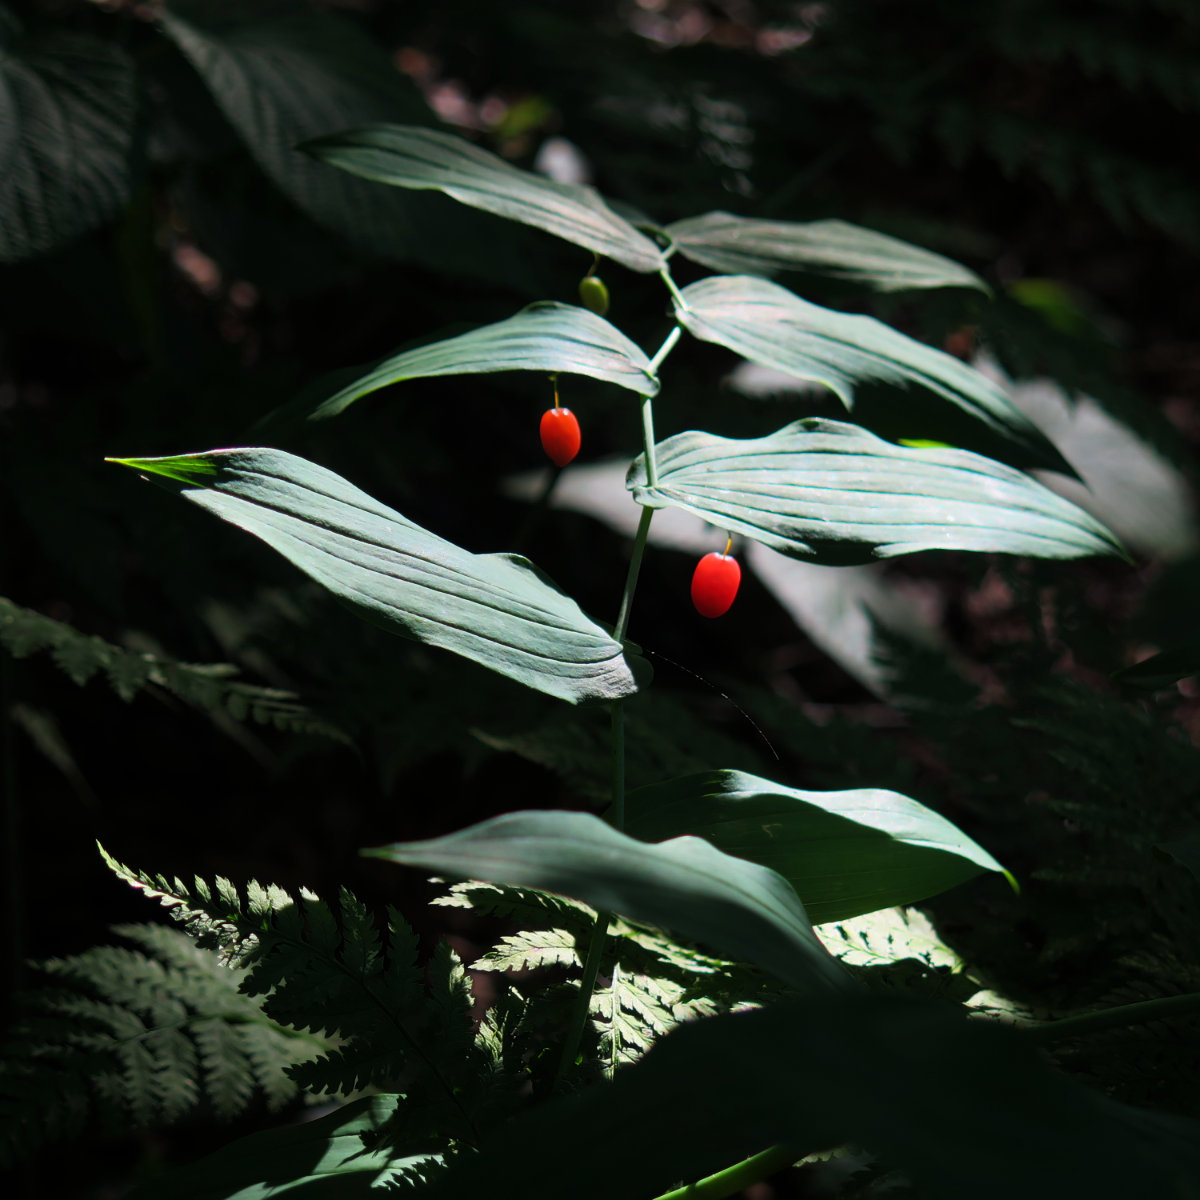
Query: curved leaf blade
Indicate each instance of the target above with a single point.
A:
(744, 246)
(1163, 670)
(846, 853)
(769, 325)
(912, 1081)
(740, 909)
(408, 156)
(495, 609)
(68, 104)
(835, 494)
(543, 337)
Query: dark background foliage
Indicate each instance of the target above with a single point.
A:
(171, 271)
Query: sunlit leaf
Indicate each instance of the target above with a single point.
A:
(770, 326)
(845, 853)
(743, 246)
(543, 337)
(411, 157)
(735, 908)
(835, 494)
(495, 609)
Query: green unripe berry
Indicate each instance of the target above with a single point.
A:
(593, 294)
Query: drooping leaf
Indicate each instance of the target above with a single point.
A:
(835, 494)
(495, 609)
(769, 325)
(68, 104)
(411, 157)
(743, 246)
(735, 907)
(845, 853)
(912, 1081)
(543, 337)
(334, 1156)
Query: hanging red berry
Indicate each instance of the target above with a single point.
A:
(560, 435)
(715, 584)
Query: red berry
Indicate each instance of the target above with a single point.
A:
(560, 435)
(715, 584)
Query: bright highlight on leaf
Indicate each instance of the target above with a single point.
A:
(411, 157)
(769, 325)
(494, 609)
(550, 337)
(835, 494)
(845, 853)
(742, 246)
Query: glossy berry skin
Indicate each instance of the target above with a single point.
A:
(593, 294)
(560, 435)
(715, 584)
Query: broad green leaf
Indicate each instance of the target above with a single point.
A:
(495, 609)
(835, 494)
(735, 908)
(543, 337)
(334, 1156)
(769, 325)
(962, 1107)
(68, 104)
(408, 156)
(845, 853)
(743, 246)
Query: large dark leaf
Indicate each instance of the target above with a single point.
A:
(835, 494)
(282, 74)
(410, 157)
(544, 337)
(845, 853)
(743, 246)
(329, 1158)
(962, 1106)
(737, 908)
(67, 108)
(769, 325)
(495, 609)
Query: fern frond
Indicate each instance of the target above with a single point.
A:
(338, 974)
(210, 687)
(531, 950)
(139, 1036)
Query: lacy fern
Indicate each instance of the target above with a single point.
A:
(140, 1035)
(206, 686)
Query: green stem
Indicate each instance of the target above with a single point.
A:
(664, 274)
(631, 577)
(736, 1178)
(667, 346)
(1115, 1018)
(583, 1002)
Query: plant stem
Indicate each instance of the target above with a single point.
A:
(667, 346)
(591, 968)
(664, 273)
(734, 1179)
(1115, 1018)
(631, 577)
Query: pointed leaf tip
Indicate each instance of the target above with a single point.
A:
(185, 468)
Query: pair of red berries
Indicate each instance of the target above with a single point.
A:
(717, 577)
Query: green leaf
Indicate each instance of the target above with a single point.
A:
(1162, 670)
(328, 1157)
(495, 609)
(769, 325)
(410, 157)
(282, 77)
(963, 1107)
(543, 337)
(835, 494)
(737, 908)
(742, 246)
(845, 853)
(68, 103)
